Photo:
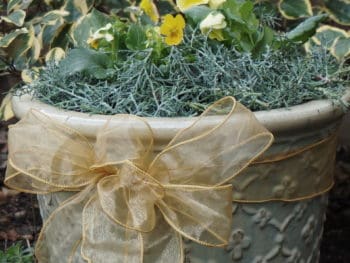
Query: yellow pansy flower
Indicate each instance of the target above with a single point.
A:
(213, 23)
(172, 28)
(150, 9)
(183, 5)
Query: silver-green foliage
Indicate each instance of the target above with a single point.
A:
(192, 77)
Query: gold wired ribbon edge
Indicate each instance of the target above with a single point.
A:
(142, 205)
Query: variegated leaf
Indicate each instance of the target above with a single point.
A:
(339, 10)
(55, 54)
(16, 17)
(326, 35)
(341, 48)
(6, 40)
(6, 112)
(294, 9)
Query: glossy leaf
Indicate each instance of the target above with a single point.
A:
(86, 60)
(294, 9)
(197, 13)
(339, 10)
(136, 38)
(306, 29)
(49, 32)
(20, 45)
(17, 17)
(76, 9)
(13, 5)
(326, 35)
(7, 39)
(86, 25)
(341, 48)
(51, 17)
(55, 54)
(6, 112)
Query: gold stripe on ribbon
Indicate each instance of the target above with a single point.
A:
(130, 206)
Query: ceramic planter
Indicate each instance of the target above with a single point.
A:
(298, 167)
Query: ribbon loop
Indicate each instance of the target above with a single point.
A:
(214, 149)
(199, 213)
(122, 138)
(53, 156)
(130, 208)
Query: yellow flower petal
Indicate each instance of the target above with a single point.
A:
(215, 20)
(172, 28)
(150, 9)
(186, 4)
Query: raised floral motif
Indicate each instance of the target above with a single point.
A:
(299, 210)
(286, 188)
(237, 243)
(308, 230)
(295, 256)
(260, 259)
(262, 217)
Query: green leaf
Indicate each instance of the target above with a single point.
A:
(13, 5)
(86, 60)
(231, 10)
(136, 38)
(87, 25)
(17, 17)
(61, 39)
(326, 35)
(306, 29)
(52, 16)
(246, 10)
(20, 45)
(74, 11)
(294, 9)
(339, 10)
(341, 48)
(7, 39)
(55, 54)
(6, 112)
(197, 13)
(247, 14)
(83, 5)
(49, 32)
(264, 41)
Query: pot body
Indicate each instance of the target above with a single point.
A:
(265, 231)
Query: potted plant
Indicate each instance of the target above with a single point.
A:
(169, 71)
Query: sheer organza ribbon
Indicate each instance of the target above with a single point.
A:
(132, 205)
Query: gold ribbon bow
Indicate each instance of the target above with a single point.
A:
(131, 205)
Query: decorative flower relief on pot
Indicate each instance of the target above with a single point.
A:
(237, 243)
(293, 255)
(299, 210)
(308, 230)
(262, 217)
(286, 188)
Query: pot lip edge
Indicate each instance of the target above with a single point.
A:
(310, 113)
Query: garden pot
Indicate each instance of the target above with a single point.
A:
(289, 182)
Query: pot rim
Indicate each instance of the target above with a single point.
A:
(309, 115)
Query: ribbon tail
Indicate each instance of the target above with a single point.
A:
(63, 228)
(163, 243)
(106, 241)
(76, 256)
(202, 214)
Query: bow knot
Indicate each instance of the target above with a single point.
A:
(131, 206)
